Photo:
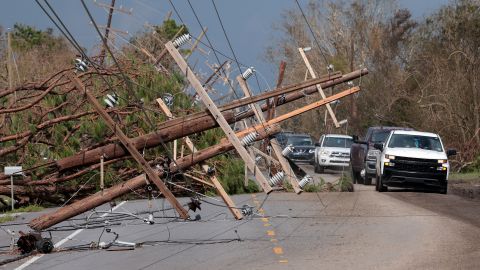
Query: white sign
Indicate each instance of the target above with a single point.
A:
(13, 170)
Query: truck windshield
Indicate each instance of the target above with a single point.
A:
(337, 142)
(380, 136)
(415, 141)
(299, 140)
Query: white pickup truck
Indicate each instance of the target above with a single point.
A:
(413, 159)
(332, 150)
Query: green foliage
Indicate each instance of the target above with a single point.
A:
(312, 187)
(169, 28)
(28, 208)
(231, 175)
(6, 218)
(26, 37)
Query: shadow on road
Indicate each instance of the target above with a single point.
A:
(450, 205)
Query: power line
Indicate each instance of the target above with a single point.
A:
(313, 34)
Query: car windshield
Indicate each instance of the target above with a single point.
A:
(415, 141)
(337, 142)
(299, 140)
(380, 136)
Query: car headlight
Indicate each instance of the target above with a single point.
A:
(373, 154)
(324, 153)
(390, 157)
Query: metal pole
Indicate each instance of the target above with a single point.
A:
(11, 191)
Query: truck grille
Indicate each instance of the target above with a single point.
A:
(416, 164)
(339, 155)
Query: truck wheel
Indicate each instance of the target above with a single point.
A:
(368, 180)
(318, 168)
(381, 187)
(443, 190)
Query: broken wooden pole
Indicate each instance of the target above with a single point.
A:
(152, 176)
(197, 122)
(319, 87)
(47, 220)
(274, 143)
(217, 114)
(218, 186)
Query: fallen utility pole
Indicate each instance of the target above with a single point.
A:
(81, 206)
(47, 220)
(319, 87)
(152, 176)
(221, 191)
(273, 141)
(217, 114)
(197, 122)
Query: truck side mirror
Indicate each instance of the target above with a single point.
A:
(355, 138)
(451, 152)
(378, 146)
(317, 144)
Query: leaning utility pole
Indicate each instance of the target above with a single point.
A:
(107, 30)
(319, 87)
(242, 81)
(127, 143)
(216, 183)
(217, 114)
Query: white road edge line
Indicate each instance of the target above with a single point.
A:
(63, 241)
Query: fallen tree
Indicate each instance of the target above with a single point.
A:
(190, 124)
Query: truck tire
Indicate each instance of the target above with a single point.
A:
(380, 186)
(443, 189)
(368, 181)
(318, 168)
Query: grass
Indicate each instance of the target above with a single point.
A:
(470, 176)
(28, 208)
(6, 218)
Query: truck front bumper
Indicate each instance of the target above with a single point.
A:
(400, 178)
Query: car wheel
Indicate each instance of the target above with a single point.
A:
(381, 187)
(368, 180)
(443, 190)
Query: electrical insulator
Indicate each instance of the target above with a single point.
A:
(247, 73)
(277, 178)
(305, 180)
(149, 220)
(257, 159)
(350, 83)
(81, 65)
(330, 68)
(247, 210)
(168, 99)
(181, 40)
(111, 100)
(249, 138)
(287, 150)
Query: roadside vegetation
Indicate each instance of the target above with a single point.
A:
(423, 72)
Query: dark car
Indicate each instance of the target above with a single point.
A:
(303, 147)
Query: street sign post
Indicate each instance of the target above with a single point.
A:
(12, 171)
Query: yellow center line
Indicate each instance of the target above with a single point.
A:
(278, 250)
(271, 233)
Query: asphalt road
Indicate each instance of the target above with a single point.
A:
(360, 230)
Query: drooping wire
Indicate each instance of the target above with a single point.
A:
(313, 34)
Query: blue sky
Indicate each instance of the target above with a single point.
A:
(248, 22)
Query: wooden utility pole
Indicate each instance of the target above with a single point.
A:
(319, 87)
(217, 114)
(195, 44)
(107, 31)
(127, 143)
(223, 194)
(273, 141)
(198, 122)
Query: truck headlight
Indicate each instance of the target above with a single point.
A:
(442, 161)
(324, 153)
(373, 154)
(390, 157)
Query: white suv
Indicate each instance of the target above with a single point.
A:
(332, 150)
(413, 159)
